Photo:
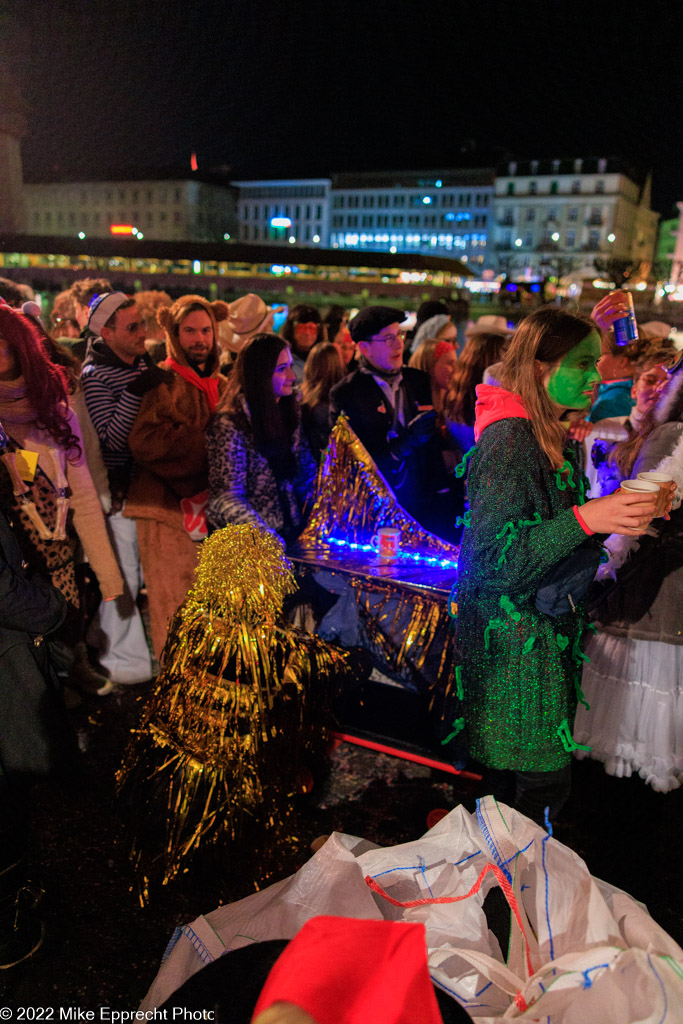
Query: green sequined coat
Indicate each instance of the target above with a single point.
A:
(519, 670)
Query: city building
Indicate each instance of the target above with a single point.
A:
(554, 217)
(667, 242)
(676, 279)
(284, 212)
(445, 212)
(164, 207)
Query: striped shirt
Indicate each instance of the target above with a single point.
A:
(112, 409)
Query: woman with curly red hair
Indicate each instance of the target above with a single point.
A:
(44, 478)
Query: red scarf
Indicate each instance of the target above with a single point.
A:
(209, 385)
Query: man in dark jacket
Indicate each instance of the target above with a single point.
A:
(389, 406)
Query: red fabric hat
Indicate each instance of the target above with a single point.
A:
(346, 971)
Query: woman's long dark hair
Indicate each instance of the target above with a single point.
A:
(46, 383)
(479, 352)
(273, 422)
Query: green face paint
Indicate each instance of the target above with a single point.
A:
(571, 383)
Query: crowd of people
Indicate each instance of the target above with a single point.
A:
(134, 426)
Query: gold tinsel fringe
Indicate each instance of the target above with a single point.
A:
(233, 721)
(353, 500)
(427, 624)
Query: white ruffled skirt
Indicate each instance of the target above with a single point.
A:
(635, 722)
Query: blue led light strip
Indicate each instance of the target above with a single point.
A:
(408, 556)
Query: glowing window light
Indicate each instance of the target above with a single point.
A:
(392, 249)
(438, 183)
(121, 229)
(280, 222)
(450, 216)
(291, 239)
(427, 200)
(405, 556)
(196, 267)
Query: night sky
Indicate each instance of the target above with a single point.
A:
(306, 88)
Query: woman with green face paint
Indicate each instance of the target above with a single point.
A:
(519, 667)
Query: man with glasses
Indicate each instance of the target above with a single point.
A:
(389, 406)
(116, 375)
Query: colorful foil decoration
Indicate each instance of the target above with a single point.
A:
(227, 737)
(353, 500)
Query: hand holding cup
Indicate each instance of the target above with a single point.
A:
(628, 512)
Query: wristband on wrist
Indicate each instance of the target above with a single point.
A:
(580, 520)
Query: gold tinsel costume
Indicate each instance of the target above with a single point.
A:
(234, 720)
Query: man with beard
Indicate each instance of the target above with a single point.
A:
(169, 492)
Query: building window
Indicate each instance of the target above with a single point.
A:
(176, 195)
(533, 188)
(162, 216)
(149, 195)
(353, 202)
(576, 187)
(528, 238)
(600, 186)
(530, 216)
(366, 221)
(511, 188)
(122, 196)
(571, 238)
(573, 213)
(553, 188)
(594, 239)
(150, 219)
(176, 218)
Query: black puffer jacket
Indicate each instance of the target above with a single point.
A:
(34, 733)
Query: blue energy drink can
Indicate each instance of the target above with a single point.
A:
(626, 328)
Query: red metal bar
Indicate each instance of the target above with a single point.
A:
(442, 766)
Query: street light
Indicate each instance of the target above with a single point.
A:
(611, 238)
(518, 242)
(555, 236)
(291, 239)
(81, 235)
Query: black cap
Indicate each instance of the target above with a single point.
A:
(372, 319)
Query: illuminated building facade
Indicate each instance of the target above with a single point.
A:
(446, 212)
(162, 208)
(556, 216)
(284, 212)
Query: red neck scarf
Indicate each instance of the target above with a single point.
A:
(209, 385)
